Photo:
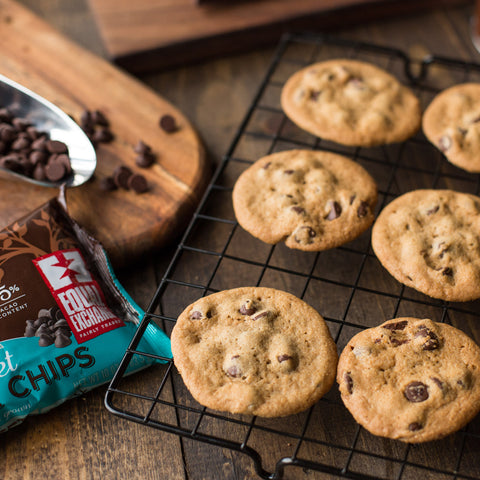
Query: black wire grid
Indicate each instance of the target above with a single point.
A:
(347, 285)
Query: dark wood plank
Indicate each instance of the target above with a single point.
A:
(153, 34)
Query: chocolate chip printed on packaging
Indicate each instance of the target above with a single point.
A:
(65, 321)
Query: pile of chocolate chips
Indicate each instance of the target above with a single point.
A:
(50, 327)
(96, 126)
(26, 150)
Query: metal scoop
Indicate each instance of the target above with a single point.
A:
(48, 118)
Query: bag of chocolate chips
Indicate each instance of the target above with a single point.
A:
(65, 321)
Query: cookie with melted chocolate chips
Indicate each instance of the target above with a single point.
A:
(411, 379)
(351, 102)
(254, 350)
(311, 200)
(452, 123)
(428, 240)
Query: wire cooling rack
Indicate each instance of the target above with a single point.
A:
(347, 285)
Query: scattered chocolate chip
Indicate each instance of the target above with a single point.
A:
(145, 160)
(335, 210)
(107, 184)
(247, 310)
(352, 199)
(433, 210)
(233, 357)
(396, 325)
(121, 175)
(416, 392)
(168, 124)
(103, 135)
(413, 427)
(362, 210)
(314, 94)
(348, 382)
(98, 118)
(444, 143)
(283, 358)
(138, 183)
(288, 172)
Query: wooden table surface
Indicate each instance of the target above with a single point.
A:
(80, 439)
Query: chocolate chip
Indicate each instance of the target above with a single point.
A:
(309, 231)
(298, 209)
(20, 143)
(433, 210)
(289, 172)
(107, 184)
(416, 392)
(62, 341)
(55, 171)
(38, 157)
(444, 143)
(415, 426)
(45, 340)
(121, 176)
(86, 119)
(29, 331)
(40, 144)
(396, 342)
(447, 271)
(362, 210)
(98, 118)
(196, 315)
(260, 315)
(138, 183)
(234, 371)
(348, 382)
(335, 210)
(438, 382)
(283, 358)
(396, 325)
(245, 310)
(7, 133)
(145, 160)
(267, 165)
(103, 135)
(55, 146)
(352, 199)
(141, 147)
(432, 343)
(314, 94)
(168, 124)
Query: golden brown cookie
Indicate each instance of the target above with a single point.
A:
(410, 379)
(254, 350)
(352, 103)
(452, 123)
(311, 200)
(429, 240)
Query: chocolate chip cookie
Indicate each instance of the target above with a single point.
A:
(311, 200)
(452, 123)
(429, 240)
(352, 103)
(256, 351)
(410, 379)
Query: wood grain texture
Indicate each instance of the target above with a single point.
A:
(152, 34)
(128, 224)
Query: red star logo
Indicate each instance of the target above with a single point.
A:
(65, 263)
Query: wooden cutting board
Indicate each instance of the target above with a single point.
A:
(145, 35)
(128, 224)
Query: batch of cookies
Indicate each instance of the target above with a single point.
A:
(265, 352)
